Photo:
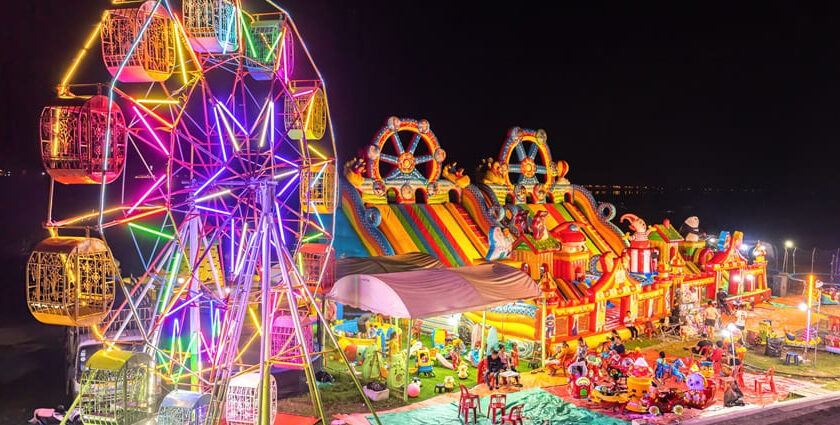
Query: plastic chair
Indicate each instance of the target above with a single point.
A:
(737, 375)
(768, 380)
(497, 402)
(514, 417)
(468, 401)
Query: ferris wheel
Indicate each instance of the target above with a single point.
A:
(212, 149)
(526, 163)
(405, 154)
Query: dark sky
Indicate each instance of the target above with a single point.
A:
(705, 94)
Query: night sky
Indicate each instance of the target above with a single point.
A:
(705, 95)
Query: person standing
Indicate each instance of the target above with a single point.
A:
(721, 299)
(629, 323)
(710, 317)
(741, 317)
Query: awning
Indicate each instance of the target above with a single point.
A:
(389, 264)
(433, 292)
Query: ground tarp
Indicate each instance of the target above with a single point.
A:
(434, 292)
(389, 264)
(540, 406)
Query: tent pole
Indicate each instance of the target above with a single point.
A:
(483, 351)
(407, 358)
(542, 334)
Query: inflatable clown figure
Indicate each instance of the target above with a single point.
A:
(639, 238)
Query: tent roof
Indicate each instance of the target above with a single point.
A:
(433, 292)
(389, 264)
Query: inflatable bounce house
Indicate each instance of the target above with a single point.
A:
(519, 208)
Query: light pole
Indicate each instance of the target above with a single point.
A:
(788, 245)
(806, 307)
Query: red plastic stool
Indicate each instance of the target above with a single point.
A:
(497, 402)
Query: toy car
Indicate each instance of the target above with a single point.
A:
(668, 401)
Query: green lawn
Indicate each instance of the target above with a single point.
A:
(828, 364)
(343, 397)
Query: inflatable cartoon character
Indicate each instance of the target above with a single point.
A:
(570, 237)
(456, 175)
(520, 223)
(490, 172)
(463, 371)
(581, 388)
(538, 228)
(690, 229)
(500, 244)
(639, 238)
(353, 171)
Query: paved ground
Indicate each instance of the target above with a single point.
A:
(812, 410)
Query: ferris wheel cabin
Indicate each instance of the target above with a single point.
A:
(181, 407)
(73, 139)
(267, 41)
(305, 112)
(70, 281)
(121, 388)
(211, 25)
(150, 59)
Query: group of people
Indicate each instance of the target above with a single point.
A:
(713, 315)
(500, 361)
(719, 351)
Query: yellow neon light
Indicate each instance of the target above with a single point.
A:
(55, 133)
(152, 113)
(87, 216)
(213, 195)
(181, 58)
(316, 152)
(308, 114)
(62, 89)
(254, 318)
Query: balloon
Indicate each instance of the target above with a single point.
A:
(413, 390)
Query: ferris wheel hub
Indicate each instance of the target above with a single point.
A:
(406, 162)
(529, 167)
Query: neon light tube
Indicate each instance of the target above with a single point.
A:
(210, 180)
(235, 121)
(287, 173)
(141, 215)
(303, 93)
(274, 45)
(265, 124)
(254, 319)
(316, 151)
(148, 192)
(81, 54)
(247, 33)
(148, 127)
(150, 231)
(280, 222)
(213, 195)
(291, 180)
(159, 101)
(202, 207)
(231, 20)
(273, 128)
(184, 304)
(221, 137)
(181, 58)
(286, 161)
(152, 113)
(231, 134)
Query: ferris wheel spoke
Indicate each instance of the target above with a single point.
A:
(515, 168)
(414, 142)
(416, 174)
(541, 169)
(395, 137)
(532, 151)
(520, 152)
(394, 173)
(388, 159)
(423, 159)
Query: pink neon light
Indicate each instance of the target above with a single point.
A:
(148, 127)
(303, 93)
(145, 195)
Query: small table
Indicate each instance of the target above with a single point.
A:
(791, 355)
(509, 376)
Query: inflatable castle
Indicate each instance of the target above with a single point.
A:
(519, 208)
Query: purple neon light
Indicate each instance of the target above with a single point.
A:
(202, 207)
(291, 180)
(280, 222)
(235, 121)
(286, 161)
(221, 136)
(210, 180)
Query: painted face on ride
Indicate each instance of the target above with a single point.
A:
(696, 382)
(529, 167)
(406, 162)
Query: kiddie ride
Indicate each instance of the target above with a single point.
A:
(639, 397)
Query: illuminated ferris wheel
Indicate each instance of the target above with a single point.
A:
(211, 147)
